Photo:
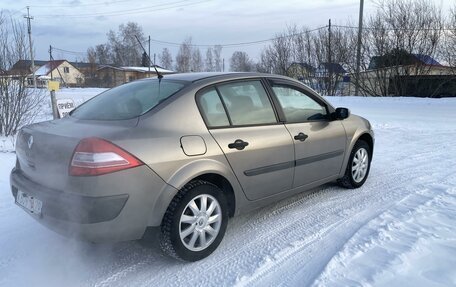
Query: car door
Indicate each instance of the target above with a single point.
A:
(319, 141)
(241, 118)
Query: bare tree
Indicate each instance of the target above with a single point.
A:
(209, 61)
(184, 56)
(278, 56)
(265, 64)
(166, 60)
(121, 48)
(447, 51)
(125, 50)
(303, 56)
(332, 57)
(240, 62)
(218, 58)
(19, 105)
(197, 61)
(103, 54)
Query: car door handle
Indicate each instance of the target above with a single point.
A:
(301, 137)
(238, 144)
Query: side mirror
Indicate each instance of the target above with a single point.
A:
(341, 113)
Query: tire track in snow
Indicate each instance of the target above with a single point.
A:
(392, 227)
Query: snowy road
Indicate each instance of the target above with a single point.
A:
(398, 229)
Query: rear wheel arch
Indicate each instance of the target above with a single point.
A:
(195, 221)
(224, 184)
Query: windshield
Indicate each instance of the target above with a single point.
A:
(127, 101)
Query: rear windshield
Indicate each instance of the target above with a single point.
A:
(127, 101)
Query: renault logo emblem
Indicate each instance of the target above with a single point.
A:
(30, 142)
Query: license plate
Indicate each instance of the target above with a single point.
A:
(30, 203)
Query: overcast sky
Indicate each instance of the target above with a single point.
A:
(75, 25)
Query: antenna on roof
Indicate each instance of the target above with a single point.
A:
(160, 76)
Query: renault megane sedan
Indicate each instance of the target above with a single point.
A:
(184, 153)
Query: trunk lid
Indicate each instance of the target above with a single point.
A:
(44, 150)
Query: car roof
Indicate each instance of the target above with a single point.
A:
(195, 77)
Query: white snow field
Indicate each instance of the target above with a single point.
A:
(399, 229)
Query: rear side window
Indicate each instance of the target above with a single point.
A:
(247, 103)
(127, 101)
(212, 109)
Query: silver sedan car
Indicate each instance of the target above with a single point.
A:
(184, 153)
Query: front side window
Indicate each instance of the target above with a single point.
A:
(297, 106)
(127, 101)
(247, 103)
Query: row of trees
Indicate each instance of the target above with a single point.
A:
(395, 36)
(123, 49)
(400, 33)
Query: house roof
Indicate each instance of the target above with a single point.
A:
(82, 64)
(48, 67)
(333, 68)
(26, 64)
(426, 59)
(401, 58)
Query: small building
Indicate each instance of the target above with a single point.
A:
(401, 74)
(110, 76)
(61, 71)
(330, 78)
(324, 70)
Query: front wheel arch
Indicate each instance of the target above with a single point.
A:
(370, 141)
(348, 180)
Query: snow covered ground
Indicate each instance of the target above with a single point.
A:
(399, 229)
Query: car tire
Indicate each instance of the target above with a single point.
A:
(190, 231)
(358, 166)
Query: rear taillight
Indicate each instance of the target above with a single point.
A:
(95, 156)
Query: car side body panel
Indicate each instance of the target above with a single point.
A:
(266, 165)
(320, 156)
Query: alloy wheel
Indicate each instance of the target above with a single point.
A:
(200, 222)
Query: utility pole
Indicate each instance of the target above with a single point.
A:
(358, 49)
(29, 28)
(55, 112)
(149, 57)
(329, 88)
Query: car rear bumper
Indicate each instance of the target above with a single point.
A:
(114, 211)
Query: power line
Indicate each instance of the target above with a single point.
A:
(68, 51)
(154, 8)
(241, 43)
(79, 5)
(396, 29)
(207, 45)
